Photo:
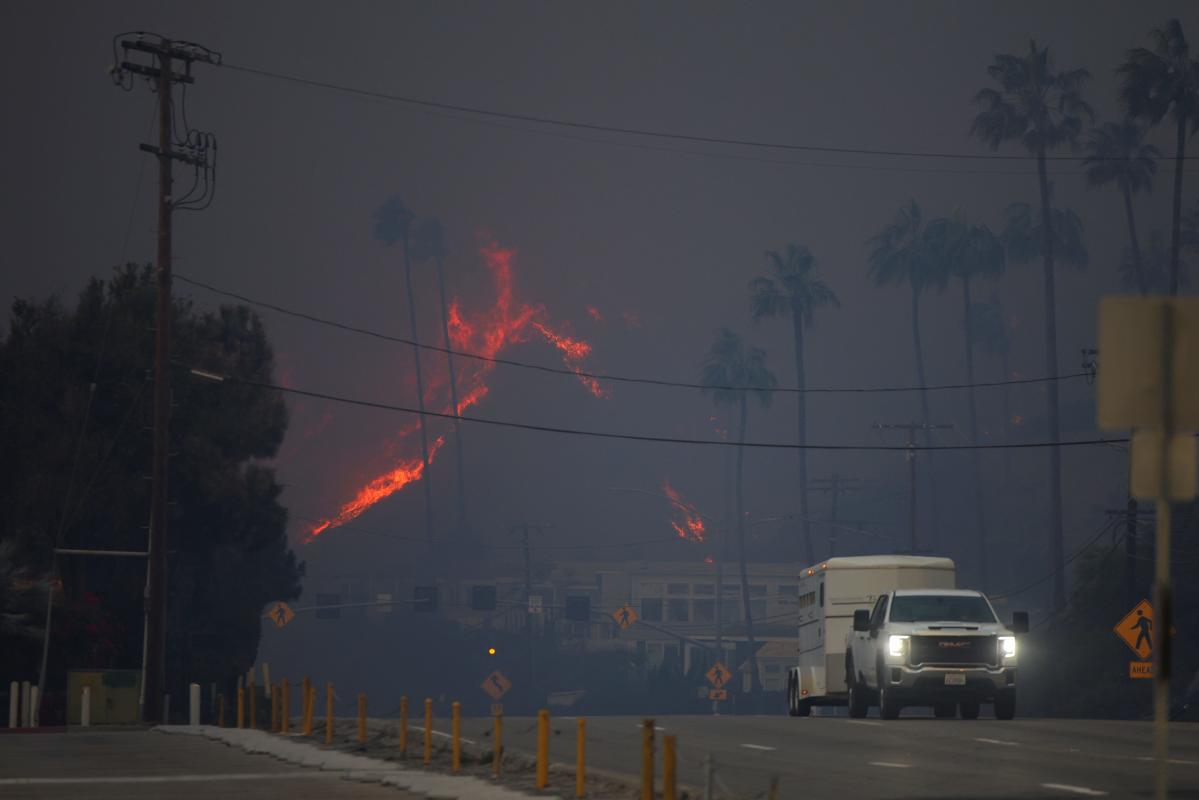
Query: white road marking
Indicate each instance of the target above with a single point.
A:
(1065, 787)
(758, 747)
(233, 776)
(985, 740)
(638, 725)
(894, 764)
(864, 722)
(450, 736)
(1182, 761)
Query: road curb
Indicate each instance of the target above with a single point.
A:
(352, 767)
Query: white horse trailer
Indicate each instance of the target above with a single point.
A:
(829, 593)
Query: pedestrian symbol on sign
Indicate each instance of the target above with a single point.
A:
(625, 616)
(1136, 629)
(280, 614)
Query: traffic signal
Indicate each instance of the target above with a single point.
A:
(578, 608)
(425, 597)
(482, 598)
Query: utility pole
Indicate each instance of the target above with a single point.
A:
(524, 529)
(911, 428)
(1131, 514)
(197, 149)
(835, 485)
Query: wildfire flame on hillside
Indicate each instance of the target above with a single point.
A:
(685, 518)
(505, 323)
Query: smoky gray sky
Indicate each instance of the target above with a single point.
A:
(663, 232)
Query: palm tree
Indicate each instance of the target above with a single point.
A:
(428, 242)
(901, 253)
(1042, 109)
(1023, 235)
(393, 223)
(1165, 80)
(732, 373)
(991, 330)
(793, 289)
(1155, 265)
(968, 252)
(1117, 153)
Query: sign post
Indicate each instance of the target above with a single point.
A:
(1149, 382)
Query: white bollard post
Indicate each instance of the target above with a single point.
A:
(26, 720)
(33, 709)
(85, 708)
(14, 704)
(193, 710)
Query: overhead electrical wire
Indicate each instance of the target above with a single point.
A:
(600, 376)
(644, 132)
(228, 380)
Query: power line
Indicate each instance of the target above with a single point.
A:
(1066, 563)
(508, 362)
(642, 132)
(228, 380)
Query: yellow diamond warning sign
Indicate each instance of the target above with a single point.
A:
(1136, 629)
(624, 616)
(280, 613)
(719, 675)
(496, 685)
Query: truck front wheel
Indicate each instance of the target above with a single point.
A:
(888, 703)
(969, 709)
(858, 702)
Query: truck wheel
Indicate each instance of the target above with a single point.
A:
(803, 708)
(1005, 705)
(945, 710)
(858, 705)
(969, 709)
(792, 698)
(888, 705)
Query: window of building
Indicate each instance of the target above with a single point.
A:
(730, 610)
(703, 610)
(704, 588)
(678, 588)
(756, 590)
(789, 589)
(651, 609)
(757, 607)
(678, 610)
(651, 589)
(732, 588)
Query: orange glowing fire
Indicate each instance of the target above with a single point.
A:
(685, 518)
(595, 314)
(486, 333)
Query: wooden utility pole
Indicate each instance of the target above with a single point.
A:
(911, 428)
(198, 150)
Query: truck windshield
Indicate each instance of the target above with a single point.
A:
(940, 608)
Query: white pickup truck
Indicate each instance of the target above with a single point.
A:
(944, 648)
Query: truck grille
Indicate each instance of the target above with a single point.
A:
(954, 650)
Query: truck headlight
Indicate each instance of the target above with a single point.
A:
(897, 645)
(1007, 646)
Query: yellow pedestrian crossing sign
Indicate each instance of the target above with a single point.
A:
(625, 616)
(719, 675)
(280, 613)
(1136, 629)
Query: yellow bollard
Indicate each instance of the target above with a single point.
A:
(328, 713)
(307, 684)
(497, 754)
(274, 709)
(543, 748)
(669, 768)
(647, 760)
(241, 707)
(285, 707)
(404, 726)
(253, 692)
(581, 760)
(361, 717)
(309, 702)
(456, 735)
(428, 731)
(220, 710)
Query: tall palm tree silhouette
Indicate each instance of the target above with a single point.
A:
(428, 243)
(393, 223)
(1117, 154)
(794, 289)
(1042, 109)
(732, 374)
(1161, 81)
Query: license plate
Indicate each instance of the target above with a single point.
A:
(953, 679)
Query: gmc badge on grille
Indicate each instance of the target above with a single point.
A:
(954, 644)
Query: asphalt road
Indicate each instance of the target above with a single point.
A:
(113, 765)
(835, 757)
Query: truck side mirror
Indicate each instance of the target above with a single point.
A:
(861, 620)
(1019, 622)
